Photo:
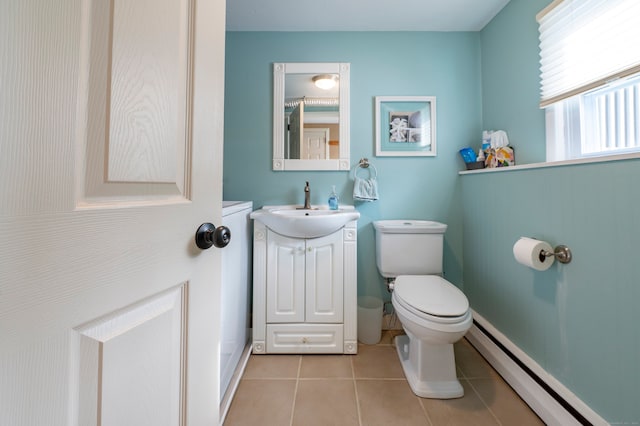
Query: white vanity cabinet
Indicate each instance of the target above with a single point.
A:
(304, 292)
(305, 279)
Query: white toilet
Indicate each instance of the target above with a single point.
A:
(434, 313)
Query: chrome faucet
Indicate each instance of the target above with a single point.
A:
(307, 197)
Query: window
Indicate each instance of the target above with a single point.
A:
(604, 121)
(590, 77)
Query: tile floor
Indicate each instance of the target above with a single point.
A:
(369, 389)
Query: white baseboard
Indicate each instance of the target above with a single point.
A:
(235, 381)
(543, 403)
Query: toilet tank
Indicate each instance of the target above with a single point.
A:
(409, 247)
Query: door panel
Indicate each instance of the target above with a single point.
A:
(147, 92)
(324, 279)
(112, 156)
(285, 279)
(134, 100)
(130, 358)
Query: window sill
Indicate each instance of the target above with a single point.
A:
(603, 159)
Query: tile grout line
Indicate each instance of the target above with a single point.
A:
(483, 402)
(258, 379)
(355, 389)
(295, 391)
(319, 379)
(425, 412)
(467, 379)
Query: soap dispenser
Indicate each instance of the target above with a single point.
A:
(333, 199)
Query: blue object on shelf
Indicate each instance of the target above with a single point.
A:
(468, 155)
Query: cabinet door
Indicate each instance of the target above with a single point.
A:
(324, 279)
(285, 279)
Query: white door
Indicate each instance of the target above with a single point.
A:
(111, 116)
(315, 144)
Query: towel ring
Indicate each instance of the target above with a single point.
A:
(364, 164)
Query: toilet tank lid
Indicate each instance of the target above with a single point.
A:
(402, 226)
(432, 295)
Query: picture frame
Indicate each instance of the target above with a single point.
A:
(405, 126)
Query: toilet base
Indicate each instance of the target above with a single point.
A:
(429, 368)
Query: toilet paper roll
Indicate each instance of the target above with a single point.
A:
(527, 252)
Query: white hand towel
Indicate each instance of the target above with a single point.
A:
(365, 189)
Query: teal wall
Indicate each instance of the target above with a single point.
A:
(444, 65)
(510, 79)
(579, 321)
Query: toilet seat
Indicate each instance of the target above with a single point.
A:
(431, 296)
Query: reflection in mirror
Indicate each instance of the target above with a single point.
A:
(312, 125)
(311, 120)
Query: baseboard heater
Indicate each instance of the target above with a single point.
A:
(552, 401)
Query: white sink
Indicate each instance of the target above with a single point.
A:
(293, 221)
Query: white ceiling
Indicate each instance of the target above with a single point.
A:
(361, 15)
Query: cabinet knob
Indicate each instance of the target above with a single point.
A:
(304, 340)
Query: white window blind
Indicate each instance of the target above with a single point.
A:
(585, 44)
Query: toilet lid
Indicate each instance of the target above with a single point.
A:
(432, 295)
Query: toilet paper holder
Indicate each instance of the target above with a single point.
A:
(562, 254)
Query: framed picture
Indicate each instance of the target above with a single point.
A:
(406, 126)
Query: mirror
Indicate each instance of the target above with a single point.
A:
(310, 124)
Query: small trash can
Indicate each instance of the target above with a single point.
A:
(369, 319)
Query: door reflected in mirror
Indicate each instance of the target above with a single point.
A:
(311, 106)
(312, 122)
